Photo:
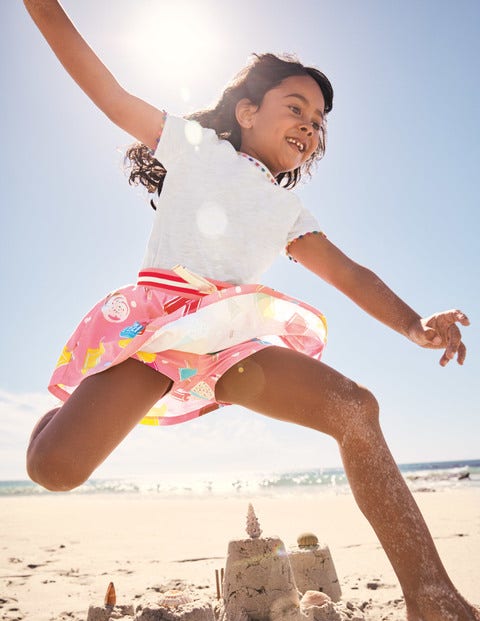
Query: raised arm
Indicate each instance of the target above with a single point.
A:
(135, 116)
(366, 289)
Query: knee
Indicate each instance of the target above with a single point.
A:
(367, 405)
(361, 422)
(50, 466)
(51, 469)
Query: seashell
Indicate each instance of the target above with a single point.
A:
(307, 540)
(173, 598)
(110, 595)
(314, 598)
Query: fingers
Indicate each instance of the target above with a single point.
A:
(462, 353)
(454, 346)
(454, 338)
(444, 360)
(461, 317)
(448, 333)
(448, 317)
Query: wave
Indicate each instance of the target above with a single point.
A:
(430, 476)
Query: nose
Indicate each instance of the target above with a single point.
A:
(306, 129)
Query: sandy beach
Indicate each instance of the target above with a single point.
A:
(59, 552)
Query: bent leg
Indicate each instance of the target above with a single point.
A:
(69, 443)
(290, 386)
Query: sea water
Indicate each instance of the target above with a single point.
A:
(426, 477)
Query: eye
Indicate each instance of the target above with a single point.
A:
(316, 126)
(295, 109)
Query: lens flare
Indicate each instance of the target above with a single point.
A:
(193, 133)
(279, 550)
(212, 220)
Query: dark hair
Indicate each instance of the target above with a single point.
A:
(266, 71)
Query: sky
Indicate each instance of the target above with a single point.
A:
(397, 191)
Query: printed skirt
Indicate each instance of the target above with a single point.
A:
(190, 329)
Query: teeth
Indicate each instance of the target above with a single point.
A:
(298, 144)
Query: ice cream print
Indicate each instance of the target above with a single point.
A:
(116, 308)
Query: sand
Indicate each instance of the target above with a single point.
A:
(59, 552)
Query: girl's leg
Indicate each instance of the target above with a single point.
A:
(67, 444)
(292, 387)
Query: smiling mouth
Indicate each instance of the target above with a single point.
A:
(300, 146)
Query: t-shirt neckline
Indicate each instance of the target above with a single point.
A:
(258, 164)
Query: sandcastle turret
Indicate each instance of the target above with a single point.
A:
(313, 567)
(253, 526)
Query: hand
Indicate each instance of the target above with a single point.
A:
(439, 331)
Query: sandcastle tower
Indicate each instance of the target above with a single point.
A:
(259, 583)
(313, 567)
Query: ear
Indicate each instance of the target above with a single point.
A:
(245, 112)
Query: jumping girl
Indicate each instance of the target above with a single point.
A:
(196, 332)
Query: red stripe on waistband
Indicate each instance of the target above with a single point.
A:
(164, 274)
(170, 281)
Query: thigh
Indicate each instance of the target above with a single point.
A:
(101, 412)
(292, 387)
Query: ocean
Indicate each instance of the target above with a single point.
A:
(424, 477)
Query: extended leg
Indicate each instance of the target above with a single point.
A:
(69, 443)
(292, 387)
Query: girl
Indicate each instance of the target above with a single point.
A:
(188, 336)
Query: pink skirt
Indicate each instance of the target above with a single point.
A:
(191, 330)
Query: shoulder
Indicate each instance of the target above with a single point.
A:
(180, 136)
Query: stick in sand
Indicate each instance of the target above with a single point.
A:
(217, 580)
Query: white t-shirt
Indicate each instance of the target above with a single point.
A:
(220, 213)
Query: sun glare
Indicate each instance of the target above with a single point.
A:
(174, 41)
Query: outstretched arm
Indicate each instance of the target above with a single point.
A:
(138, 118)
(366, 289)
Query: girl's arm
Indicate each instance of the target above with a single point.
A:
(141, 120)
(366, 289)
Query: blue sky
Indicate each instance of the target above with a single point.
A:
(397, 191)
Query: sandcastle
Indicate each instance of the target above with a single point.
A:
(313, 567)
(265, 582)
(262, 581)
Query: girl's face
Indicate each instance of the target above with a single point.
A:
(284, 131)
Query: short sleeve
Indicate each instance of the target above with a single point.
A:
(305, 224)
